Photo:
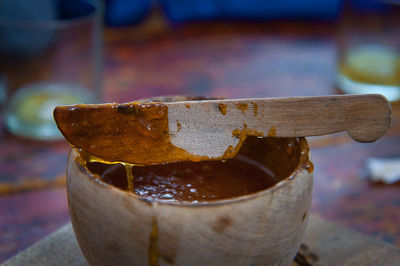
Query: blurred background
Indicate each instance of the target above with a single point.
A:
(56, 52)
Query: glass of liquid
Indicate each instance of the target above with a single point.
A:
(369, 48)
(50, 54)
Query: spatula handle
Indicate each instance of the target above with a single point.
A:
(365, 117)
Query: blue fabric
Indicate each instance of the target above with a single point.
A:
(126, 12)
(185, 10)
(369, 5)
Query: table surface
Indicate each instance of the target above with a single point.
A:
(223, 59)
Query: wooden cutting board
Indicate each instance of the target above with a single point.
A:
(324, 244)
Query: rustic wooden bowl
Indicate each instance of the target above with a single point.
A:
(114, 227)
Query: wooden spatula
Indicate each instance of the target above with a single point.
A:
(151, 133)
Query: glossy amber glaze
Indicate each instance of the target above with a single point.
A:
(190, 181)
(115, 132)
(255, 168)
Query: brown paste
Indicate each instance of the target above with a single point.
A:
(115, 132)
(189, 181)
(252, 170)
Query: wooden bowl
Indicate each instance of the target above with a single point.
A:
(114, 227)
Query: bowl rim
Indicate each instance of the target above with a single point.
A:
(302, 165)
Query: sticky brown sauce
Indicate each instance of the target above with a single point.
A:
(255, 108)
(309, 166)
(153, 243)
(115, 132)
(188, 181)
(272, 132)
(222, 108)
(260, 164)
(242, 107)
(129, 176)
